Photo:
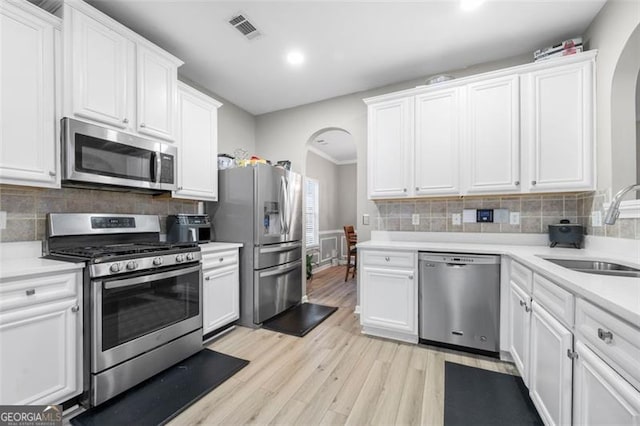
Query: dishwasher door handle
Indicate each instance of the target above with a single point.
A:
(455, 265)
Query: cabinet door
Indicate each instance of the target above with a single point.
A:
(601, 396)
(492, 144)
(156, 82)
(558, 105)
(519, 321)
(221, 302)
(28, 154)
(40, 358)
(389, 299)
(100, 63)
(197, 140)
(390, 138)
(550, 373)
(437, 140)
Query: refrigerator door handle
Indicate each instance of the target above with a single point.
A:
(280, 270)
(285, 205)
(280, 248)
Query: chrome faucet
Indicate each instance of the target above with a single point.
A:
(614, 208)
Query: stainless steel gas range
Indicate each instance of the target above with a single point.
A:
(142, 297)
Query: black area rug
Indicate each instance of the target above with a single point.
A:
(165, 395)
(473, 396)
(299, 320)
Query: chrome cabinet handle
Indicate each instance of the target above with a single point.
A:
(387, 258)
(125, 120)
(143, 125)
(208, 278)
(179, 188)
(527, 308)
(417, 188)
(31, 292)
(516, 183)
(605, 335)
(221, 259)
(410, 277)
(533, 182)
(522, 303)
(404, 190)
(75, 308)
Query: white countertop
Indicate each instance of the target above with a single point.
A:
(23, 258)
(619, 295)
(219, 246)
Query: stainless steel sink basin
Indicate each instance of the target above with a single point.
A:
(597, 267)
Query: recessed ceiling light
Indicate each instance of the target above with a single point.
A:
(295, 57)
(470, 4)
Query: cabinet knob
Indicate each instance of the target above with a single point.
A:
(208, 278)
(533, 182)
(31, 292)
(75, 308)
(417, 189)
(522, 303)
(125, 120)
(143, 125)
(179, 188)
(404, 190)
(516, 183)
(387, 258)
(527, 308)
(605, 335)
(221, 259)
(52, 173)
(410, 277)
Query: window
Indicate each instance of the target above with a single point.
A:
(311, 212)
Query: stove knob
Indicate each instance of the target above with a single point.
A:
(131, 265)
(115, 267)
(189, 256)
(157, 261)
(180, 258)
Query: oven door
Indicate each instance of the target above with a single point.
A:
(137, 314)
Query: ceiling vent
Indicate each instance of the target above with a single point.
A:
(241, 23)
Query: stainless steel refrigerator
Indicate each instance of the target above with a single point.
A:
(261, 207)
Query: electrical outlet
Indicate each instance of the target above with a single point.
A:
(514, 218)
(365, 219)
(3, 220)
(596, 218)
(415, 219)
(456, 219)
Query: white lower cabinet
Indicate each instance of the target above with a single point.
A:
(220, 288)
(602, 396)
(550, 372)
(41, 340)
(389, 297)
(519, 327)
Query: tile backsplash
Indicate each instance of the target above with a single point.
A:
(536, 213)
(27, 207)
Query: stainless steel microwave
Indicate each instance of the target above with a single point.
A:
(94, 156)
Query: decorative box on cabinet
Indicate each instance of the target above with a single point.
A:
(220, 286)
(30, 44)
(389, 294)
(41, 338)
(197, 140)
(115, 77)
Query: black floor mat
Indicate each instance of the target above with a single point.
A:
(481, 397)
(299, 320)
(165, 395)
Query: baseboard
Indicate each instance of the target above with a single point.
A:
(305, 299)
(322, 268)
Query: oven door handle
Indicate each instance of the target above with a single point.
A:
(108, 285)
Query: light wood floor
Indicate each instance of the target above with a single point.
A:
(334, 375)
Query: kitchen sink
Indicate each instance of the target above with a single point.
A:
(597, 267)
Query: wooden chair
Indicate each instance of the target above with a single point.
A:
(352, 251)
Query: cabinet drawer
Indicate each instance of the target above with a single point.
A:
(219, 259)
(395, 259)
(30, 290)
(616, 341)
(556, 300)
(522, 276)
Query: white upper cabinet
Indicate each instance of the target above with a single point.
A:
(390, 148)
(197, 140)
(492, 143)
(524, 129)
(558, 107)
(29, 40)
(157, 83)
(437, 143)
(115, 77)
(101, 60)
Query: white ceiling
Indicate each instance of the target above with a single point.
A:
(336, 146)
(349, 46)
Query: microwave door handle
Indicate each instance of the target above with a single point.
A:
(158, 173)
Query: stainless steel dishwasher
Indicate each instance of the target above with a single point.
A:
(460, 301)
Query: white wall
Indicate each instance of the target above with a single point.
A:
(347, 206)
(236, 127)
(326, 173)
(610, 33)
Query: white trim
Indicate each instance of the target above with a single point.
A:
(335, 247)
(305, 299)
(333, 231)
(628, 209)
(330, 158)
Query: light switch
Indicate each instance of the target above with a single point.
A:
(415, 219)
(365, 219)
(514, 218)
(456, 219)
